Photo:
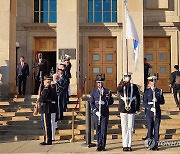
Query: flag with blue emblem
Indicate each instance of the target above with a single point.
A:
(131, 33)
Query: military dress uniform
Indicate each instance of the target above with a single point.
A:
(60, 88)
(152, 99)
(129, 103)
(101, 126)
(54, 101)
(46, 108)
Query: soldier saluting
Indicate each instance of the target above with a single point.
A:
(100, 99)
(153, 97)
(46, 108)
(129, 103)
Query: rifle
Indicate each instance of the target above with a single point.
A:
(36, 108)
(100, 99)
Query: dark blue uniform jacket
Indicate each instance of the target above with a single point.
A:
(94, 101)
(148, 97)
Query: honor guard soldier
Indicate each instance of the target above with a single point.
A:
(61, 86)
(46, 108)
(100, 99)
(153, 97)
(129, 104)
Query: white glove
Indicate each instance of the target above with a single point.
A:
(153, 109)
(38, 97)
(154, 100)
(98, 113)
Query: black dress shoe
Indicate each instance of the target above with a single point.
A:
(129, 149)
(43, 143)
(155, 148)
(99, 149)
(144, 138)
(125, 148)
(103, 149)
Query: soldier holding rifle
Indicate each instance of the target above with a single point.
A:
(129, 104)
(153, 97)
(100, 99)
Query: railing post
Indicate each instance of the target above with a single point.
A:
(72, 139)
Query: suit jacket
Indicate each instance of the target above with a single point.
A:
(94, 101)
(135, 104)
(148, 97)
(24, 72)
(42, 67)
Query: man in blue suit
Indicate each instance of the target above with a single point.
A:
(100, 99)
(22, 72)
(153, 97)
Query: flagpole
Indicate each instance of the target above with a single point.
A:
(125, 2)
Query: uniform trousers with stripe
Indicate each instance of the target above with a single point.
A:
(53, 125)
(127, 126)
(47, 127)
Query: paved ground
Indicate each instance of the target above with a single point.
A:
(113, 146)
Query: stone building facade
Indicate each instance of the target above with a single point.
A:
(92, 32)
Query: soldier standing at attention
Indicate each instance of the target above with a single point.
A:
(129, 104)
(153, 97)
(46, 109)
(100, 99)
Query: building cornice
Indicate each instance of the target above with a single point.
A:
(162, 24)
(40, 26)
(100, 26)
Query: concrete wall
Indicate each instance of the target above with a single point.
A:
(7, 46)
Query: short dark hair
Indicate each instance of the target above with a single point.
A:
(22, 57)
(145, 59)
(176, 67)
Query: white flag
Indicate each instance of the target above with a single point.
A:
(131, 33)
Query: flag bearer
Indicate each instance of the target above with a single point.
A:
(129, 104)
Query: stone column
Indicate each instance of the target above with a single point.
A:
(7, 47)
(135, 9)
(68, 35)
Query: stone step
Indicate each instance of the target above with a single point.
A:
(80, 137)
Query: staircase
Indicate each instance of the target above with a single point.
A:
(18, 123)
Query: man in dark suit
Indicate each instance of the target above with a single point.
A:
(22, 72)
(174, 85)
(39, 65)
(100, 99)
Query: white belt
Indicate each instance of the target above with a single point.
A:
(100, 102)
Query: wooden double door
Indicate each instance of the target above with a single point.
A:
(102, 60)
(157, 51)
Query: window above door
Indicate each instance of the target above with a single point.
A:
(100, 11)
(45, 11)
